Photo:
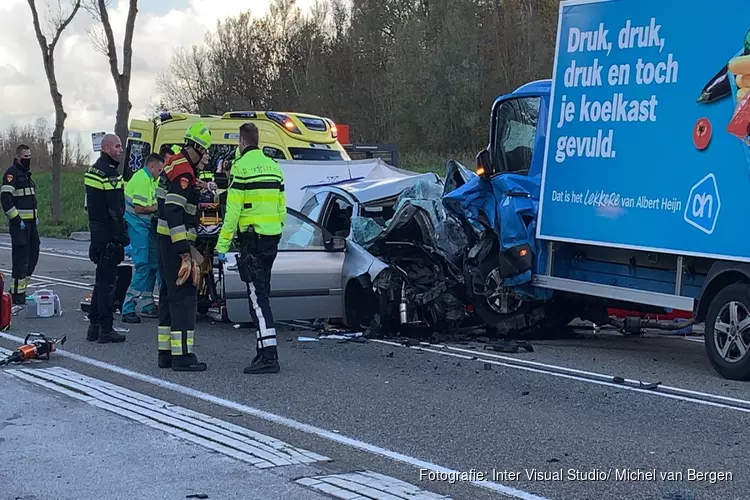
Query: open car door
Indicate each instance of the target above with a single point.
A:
(305, 279)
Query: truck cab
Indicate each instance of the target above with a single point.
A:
(566, 279)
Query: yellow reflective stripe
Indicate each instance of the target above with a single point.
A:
(165, 338)
(142, 199)
(176, 199)
(173, 164)
(162, 227)
(190, 208)
(29, 214)
(102, 184)
(178, 233)
(24, 192)
(259, 219)
(12, 213)
(256, 198)
(93, 181)
(177, 344)
(192, 235)
(7, 188)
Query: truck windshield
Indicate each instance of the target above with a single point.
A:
(515, 129)
(315, 154)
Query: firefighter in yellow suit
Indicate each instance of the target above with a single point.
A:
(256, 209)
(179, 261)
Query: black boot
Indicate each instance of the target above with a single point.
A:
(93, 332)
(165, 359)
(266, 361)
(187, 363)
(109, 335)
(19, 299)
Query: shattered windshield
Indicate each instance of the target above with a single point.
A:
(375, 217)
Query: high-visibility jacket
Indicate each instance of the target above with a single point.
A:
(206, 175)
(140, 191)
(255, 197)
(18, 194)
(105, 203)
(177, 204)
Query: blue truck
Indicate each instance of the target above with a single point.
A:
(622, 182)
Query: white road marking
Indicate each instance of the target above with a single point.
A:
(41, 284)
(365, 484)
(578, 375)
(257, 449)
(288, 422)
(6, 246)
(57, 281)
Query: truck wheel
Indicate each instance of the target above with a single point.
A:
(727, 336)
(499, 304)
(511, 317)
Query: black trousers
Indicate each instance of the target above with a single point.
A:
(257, 254)
(24, 254)
(102, 299)
(178, 305)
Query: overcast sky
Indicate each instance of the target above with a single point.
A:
(83, 75)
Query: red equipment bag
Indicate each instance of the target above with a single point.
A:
(6, 305)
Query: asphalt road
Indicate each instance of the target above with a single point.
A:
(394, 409)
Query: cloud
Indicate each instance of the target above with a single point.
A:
(83, 73)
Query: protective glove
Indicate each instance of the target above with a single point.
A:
(186, 269)
(222, 258)
(22, 225)
(196, 272)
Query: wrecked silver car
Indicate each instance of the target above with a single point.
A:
(377, 253)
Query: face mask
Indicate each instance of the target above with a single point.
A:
(26, 162)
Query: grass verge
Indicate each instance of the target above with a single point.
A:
(73, 215)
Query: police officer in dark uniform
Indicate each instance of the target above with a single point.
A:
(179, 261)
(18, 197)
(109, 236)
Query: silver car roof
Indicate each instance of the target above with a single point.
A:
(366, 191)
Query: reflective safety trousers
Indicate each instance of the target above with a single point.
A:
(145, 262)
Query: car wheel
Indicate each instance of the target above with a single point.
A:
(727, 335)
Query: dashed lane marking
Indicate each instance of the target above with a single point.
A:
(363, 485)
(290, 423)
(248, 446)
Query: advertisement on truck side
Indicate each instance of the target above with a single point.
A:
(648, 141)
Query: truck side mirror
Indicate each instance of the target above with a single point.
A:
(485, 168)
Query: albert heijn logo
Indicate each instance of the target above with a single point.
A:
(703, 204)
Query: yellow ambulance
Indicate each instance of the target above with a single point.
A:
(283, 136)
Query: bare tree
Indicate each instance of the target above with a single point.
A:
(104, 42)
(58, 22)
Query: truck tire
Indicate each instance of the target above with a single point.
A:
(727, 335)
(543, 320)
